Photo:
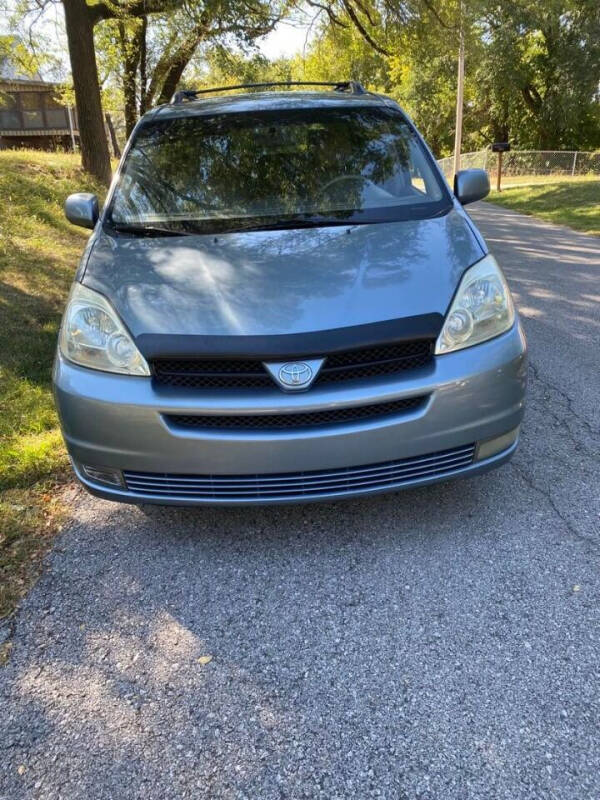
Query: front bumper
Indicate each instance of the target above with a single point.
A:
(118, 422)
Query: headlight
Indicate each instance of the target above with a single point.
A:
(92, 335)
(481, 309)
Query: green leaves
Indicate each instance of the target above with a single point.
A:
(532, 66)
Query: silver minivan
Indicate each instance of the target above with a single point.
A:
(283, 301)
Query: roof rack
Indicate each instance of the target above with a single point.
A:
(340, 86)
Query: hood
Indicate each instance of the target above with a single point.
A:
(267, 283)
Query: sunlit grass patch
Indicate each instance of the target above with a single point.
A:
(28, 458)
(528, 180)
(573, 203)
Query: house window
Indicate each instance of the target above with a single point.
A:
(31, 105)
(56, 113)
(9, 114)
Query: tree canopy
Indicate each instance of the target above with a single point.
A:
(532, 67)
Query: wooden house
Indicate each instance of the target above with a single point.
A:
(31, 115)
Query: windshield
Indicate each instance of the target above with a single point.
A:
(277, 169)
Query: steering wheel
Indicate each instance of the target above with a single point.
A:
(340, 178)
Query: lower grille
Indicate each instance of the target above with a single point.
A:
(294, 485)
(301, 419)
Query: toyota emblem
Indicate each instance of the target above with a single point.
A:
(295, 374)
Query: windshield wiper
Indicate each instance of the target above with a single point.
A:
(148, 230)
(216, 226)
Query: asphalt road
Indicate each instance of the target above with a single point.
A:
(441, 643)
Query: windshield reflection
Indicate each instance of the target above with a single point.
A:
(276, 169)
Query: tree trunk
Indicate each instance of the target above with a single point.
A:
(143, 66)
(80, 35)
(176, 65)
(130, 56)
(113, 135)
(172, 78)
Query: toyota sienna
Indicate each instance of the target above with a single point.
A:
(282, 300)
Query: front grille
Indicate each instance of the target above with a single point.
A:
(207, 373)
(371, 362)
(368, 362)
(300, 419)
(296, 485)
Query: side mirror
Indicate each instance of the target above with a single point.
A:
(471, 185)
(82, 209)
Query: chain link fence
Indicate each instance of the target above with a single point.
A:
(521, 166)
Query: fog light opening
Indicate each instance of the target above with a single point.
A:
(491, 447)
(103, 475)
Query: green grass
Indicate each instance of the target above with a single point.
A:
(573, 203)
(526, 180)
(39, 253)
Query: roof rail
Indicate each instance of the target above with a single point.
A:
(340, 86)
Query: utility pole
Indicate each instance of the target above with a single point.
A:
(499, 175)
(459, 92)
(71, 128)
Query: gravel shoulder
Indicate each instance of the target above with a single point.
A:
(439, 644)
